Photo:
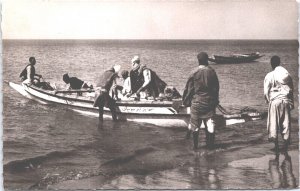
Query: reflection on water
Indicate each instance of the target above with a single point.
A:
(269, 171)
(205, 174)
(199, 175)
(282, 175)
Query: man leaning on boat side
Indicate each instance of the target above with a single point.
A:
(103, 86)
(278, 92)
(28, 73)
(201, 93)
(144, 79)
(75, 83)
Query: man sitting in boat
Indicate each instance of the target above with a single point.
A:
(123, 87)
(126, 82)
(102, 97)
(144, 79)
(28, 74)
(75, 83)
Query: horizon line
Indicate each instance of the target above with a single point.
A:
(137, 39)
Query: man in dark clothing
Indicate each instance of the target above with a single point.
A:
(102, 97)
(28, 73)
(144, 79)
(202, 94)
(75, 83)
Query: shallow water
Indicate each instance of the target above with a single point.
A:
(48, 144)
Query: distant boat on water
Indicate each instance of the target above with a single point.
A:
(235, 58)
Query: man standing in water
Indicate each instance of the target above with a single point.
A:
(202, 94)
(102, 97)
(278, 92)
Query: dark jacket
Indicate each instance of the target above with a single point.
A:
(106, 79)
(75, 83)
(23, 74)
(202, 88)
(154, 88)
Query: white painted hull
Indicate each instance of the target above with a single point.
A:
(161, 113)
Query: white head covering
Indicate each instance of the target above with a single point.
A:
(135, 62)
(117, 68)
(135, 59)
(282, 75)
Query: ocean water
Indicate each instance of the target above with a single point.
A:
(47, 145)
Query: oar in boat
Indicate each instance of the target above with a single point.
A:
(73, 91)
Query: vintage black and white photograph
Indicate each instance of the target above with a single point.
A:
(150, 94)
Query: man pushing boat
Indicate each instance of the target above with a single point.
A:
(103, 86)
(202, 94)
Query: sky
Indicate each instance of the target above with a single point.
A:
(149, 19)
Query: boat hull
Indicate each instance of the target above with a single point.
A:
(235, 59)
(161, 113)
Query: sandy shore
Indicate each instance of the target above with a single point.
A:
(236, 168)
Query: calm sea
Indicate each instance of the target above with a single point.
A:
(48, 144)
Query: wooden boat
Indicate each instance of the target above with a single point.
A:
(162, 113)
(236, 58)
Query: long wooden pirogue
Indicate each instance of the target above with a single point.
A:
(162, 113)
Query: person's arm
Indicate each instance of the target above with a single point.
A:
(291, 95)
(267, 87)
(29, 72)
(188, 92)
(216, 88)
(147, 79)
(68, 87)
(38, 75)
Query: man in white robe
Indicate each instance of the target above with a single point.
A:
(278, 92)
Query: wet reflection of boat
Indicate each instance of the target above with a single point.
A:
(236, 58)
(162, 113)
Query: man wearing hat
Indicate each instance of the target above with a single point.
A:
(201, 93)
(278, 91)
(144, 79)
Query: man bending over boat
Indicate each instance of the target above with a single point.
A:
(28, 74)
(278, 92)
(75, 83)
(144, 79)
(103, 86)
(202, 94)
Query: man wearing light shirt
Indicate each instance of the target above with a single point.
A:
(278, 92)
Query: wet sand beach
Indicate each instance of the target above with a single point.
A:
(240, 162)
(238, 174)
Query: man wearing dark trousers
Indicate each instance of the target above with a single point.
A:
(102, 97)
